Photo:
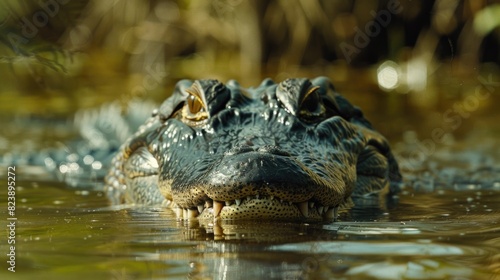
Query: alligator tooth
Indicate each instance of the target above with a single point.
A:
(290, 203)
(185, 213)
(192, 213)
(331, 213)
(218, 207)
(271, 197)
(200, 208)
(218, 231)
(174, 205)
(257, 196)
(311, 204)
(228, 202)
(237, 201)
(325, 209)
(208, 203)
(320, 210)
(178, 212)
(303, 208)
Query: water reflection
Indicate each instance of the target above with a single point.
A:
(64, 232)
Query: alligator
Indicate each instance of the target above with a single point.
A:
(290, 151)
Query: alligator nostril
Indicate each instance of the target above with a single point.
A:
(269, 149)
(239, 150)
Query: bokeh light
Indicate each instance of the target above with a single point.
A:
(388, 75)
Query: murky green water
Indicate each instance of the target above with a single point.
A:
(445, 226)
(63, 233)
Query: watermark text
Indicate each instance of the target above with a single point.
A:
(372, 29)
(11, 218)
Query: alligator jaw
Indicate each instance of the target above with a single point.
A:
(257, 207)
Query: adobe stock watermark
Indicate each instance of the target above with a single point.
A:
(452, 119)
(154, 78)
(312, 264)
(11, 218)
(31, 26)
(362, 38)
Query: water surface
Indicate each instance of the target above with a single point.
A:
(446, 224)
(64, 232)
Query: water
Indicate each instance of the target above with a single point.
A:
(64, 232)
(446, 224)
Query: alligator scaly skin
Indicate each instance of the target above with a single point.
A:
(296, 150)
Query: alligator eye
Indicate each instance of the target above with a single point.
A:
(311, 106)
(194, 104)
(194, 109)
(302, 99)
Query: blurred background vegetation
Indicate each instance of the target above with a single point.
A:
(58, 56)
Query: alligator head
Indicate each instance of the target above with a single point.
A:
(296, 150)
